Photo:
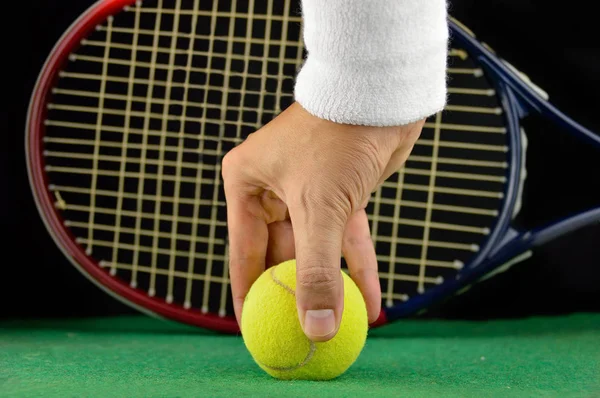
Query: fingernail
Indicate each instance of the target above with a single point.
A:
(319, 323)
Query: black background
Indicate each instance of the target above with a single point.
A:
(555, 44)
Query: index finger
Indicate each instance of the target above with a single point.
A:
(248, 239)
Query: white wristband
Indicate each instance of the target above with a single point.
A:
(374, 62)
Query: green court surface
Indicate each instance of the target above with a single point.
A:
(144, 357)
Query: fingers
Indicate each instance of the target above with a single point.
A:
(247, 231)
(396, 162)
(318, 231)
(409, 136)
(281, 243)
(248, 236)
(359, 253)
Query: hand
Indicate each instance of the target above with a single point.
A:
(298, 188)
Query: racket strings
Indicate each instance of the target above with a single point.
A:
(147, 107)
(433, 216)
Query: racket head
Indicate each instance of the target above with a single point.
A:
(45, 200)
(433, 222)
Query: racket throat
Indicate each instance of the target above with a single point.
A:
(509, 239)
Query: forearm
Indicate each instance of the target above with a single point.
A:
(374, 62)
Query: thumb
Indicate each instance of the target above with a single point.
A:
(318, 232)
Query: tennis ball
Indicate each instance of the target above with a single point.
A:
(272, 333)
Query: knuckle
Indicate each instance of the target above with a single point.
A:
(323, 203)
(370, 153)
(229, 163)
(356, 240)
(317, 278)
(352, 187)
(239, 296)
(365, 162)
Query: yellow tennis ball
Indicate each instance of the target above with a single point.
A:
(272, 333)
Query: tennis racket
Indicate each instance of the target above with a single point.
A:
(138, 102)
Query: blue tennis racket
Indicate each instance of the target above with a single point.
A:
(139, 101)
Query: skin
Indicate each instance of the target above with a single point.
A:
(298, 188)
